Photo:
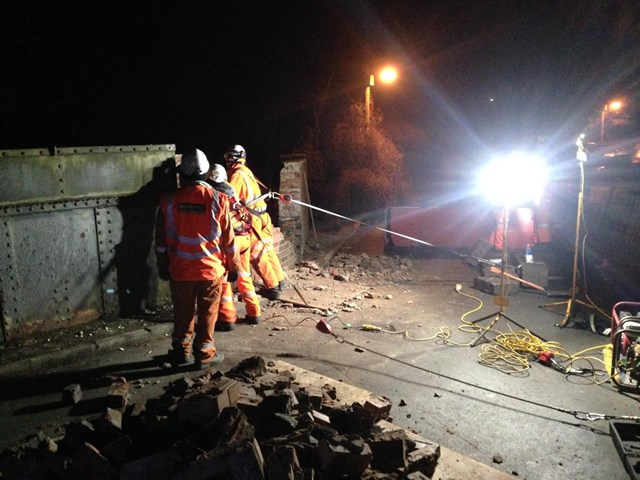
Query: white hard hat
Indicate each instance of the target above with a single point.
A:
(218, 173)
(235, 154)
(194, 163)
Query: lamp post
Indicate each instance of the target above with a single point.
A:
(615, 105)
(387, 75)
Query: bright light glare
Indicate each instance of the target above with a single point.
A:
(515, 180)
(615, 105)
(388, 75)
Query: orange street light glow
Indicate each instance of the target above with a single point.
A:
(388, 75)
(615, 105)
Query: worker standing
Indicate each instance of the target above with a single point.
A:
(241, 222)
(195, 245)
(263, 255)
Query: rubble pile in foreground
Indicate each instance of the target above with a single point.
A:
(252, 422)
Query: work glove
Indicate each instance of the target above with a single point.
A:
(232, 277)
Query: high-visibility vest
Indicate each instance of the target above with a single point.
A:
(192, 232)
(246, 186)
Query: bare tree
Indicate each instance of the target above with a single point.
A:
(366, 164)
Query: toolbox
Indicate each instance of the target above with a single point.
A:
(626, 437)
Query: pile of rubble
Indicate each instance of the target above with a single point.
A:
(251, 422)
(384, 268)
(351, 268)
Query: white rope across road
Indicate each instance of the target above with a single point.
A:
(290, 199)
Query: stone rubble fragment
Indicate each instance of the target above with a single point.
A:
(251, 422)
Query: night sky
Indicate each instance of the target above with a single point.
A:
(473, 74)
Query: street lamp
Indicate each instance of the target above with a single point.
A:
(615, 105)
(387, 75)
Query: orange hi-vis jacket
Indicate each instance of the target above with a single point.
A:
(246, 186)
(193, 228)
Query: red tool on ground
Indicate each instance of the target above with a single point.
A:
(546, 358)
(324, 327)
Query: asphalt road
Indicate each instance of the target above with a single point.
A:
(439, 386)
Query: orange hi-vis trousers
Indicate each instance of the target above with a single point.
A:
(195, 312)
(263, 254)
(227, 311)
(244, 283)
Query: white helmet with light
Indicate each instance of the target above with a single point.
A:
(235, 154)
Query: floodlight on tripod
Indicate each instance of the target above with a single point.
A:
(514, 180)
(581, 156)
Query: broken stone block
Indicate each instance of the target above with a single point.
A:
(247, 464)
(352, 419)
(118, 393)
(224, 385)
(89, 463)
(388, 454)
(321, 418)
(424, 459)
(279, 401)
(72, 394)
(279, 424)
(202, 407)
(235, 427)
(77, 434)
(330, 391)
(118, 450)
(310, 398)
(338, 461)
(379, 406)
(108, 426)
(179, 387)
(271, 381)
(283, 464)
(248, 369)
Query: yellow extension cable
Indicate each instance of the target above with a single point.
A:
(508, 352)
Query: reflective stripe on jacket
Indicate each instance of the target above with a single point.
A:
(191, 232)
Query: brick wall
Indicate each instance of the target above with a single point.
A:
(285, 249)
(293, 219)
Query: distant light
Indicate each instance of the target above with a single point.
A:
(514, 180)
(615, 105)
(492, 99)
(388, 75)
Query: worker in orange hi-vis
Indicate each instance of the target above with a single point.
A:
(241, 222)
(263, 255)
(195, 246)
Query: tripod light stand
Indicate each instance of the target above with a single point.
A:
(502, 300)
(581, 155)
(502, 182)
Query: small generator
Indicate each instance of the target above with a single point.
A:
(625, 340)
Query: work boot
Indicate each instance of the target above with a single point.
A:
(252, 320)
(179, 358)
(271, 293)
(224, 326)
(210, 362)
